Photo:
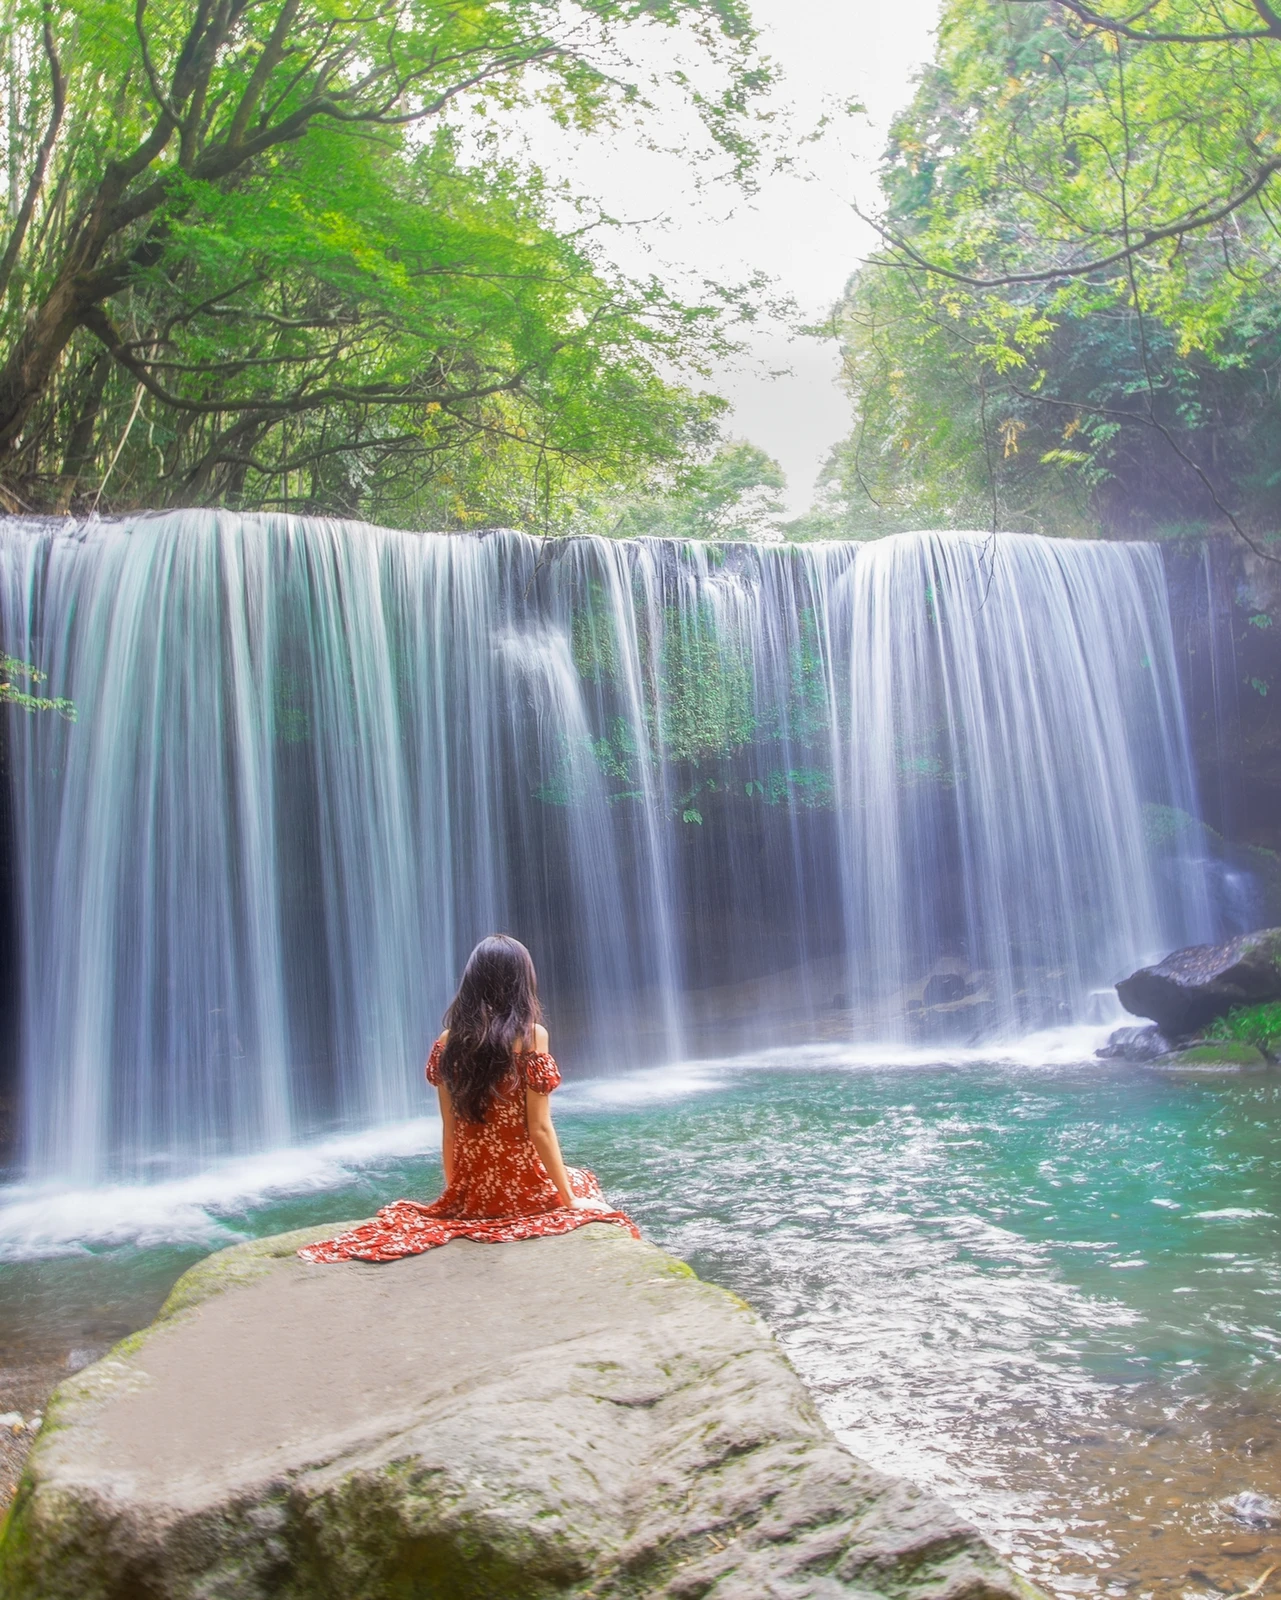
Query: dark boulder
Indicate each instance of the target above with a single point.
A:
(1192, 987)
(1135, 1044)
(944, 988)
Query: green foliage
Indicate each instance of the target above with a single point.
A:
(594, 638)
(616, 754)
(809, 704)
(1054, 336)
(810, 787)
(704, 687)
(273, 258)
(700, 720)
(931, 755)
(291, 708)
(12, 673)
(1166, 825)
(572, 771)
(696, 687)
(1256, 1025)
(734, 495)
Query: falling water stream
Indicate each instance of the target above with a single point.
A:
(829, 856)
(731, 795)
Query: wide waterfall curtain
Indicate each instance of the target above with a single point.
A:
(731, 795)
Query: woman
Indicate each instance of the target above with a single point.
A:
(504, 1175)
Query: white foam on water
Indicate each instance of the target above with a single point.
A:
(648, 1085)
(200, 1208)
(203, 1208)
(1052, 1047)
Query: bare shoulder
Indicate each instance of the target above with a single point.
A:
(540, 1038)
(441, 1038)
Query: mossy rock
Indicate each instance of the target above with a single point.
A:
(567, 1417)
(1190, 988)
(1209, 1055)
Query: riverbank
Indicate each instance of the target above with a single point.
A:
(25, 1386)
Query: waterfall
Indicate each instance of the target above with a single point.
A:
(730, 795)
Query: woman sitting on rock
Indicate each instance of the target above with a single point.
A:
(504, 1176)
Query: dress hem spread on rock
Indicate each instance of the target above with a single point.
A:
(500, 1193)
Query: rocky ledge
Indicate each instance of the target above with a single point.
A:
(1194, 986)
(577, 1416)
(1149, 1047)
(1192, 989)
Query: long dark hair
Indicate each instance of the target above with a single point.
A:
(494, 1010)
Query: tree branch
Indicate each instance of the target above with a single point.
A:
(1126, 30)
(25, 212)
(302, 400)
(1191, 223)
(273, 53)
(153, 78)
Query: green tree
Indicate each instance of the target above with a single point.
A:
(1075, 318)
(249, 262)
(734, 494)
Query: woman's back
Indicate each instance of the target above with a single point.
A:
(505, 1178)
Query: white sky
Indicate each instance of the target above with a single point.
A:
(799, 228)
(804, 233)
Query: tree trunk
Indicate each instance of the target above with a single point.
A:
(36, 352)
(34, 356)
(80, 446)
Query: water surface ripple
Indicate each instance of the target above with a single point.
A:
(1049, 1293)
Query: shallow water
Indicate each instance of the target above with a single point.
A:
(1050, 1292)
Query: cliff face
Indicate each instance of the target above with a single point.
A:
(1225, 604)
(576, 1416)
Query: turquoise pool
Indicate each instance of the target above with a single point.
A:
(1053, 1292)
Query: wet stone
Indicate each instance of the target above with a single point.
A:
(575, 1416)
(1192, 987)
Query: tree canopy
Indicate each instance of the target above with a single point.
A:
(1074, 317)
(267, 253)
(735, 493)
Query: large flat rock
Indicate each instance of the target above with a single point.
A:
(575, 1416)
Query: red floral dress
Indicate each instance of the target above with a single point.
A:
(500, 1190)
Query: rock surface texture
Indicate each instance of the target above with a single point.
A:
(1225, 608)
(575, 1416)
(1149, 1047)
(1194, 986)
(1135, 1044)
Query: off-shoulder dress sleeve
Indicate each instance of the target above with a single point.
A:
(540, 1072)
(499, 1191)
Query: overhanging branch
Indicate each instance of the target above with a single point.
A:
(1194, 221)
(1124, 29)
